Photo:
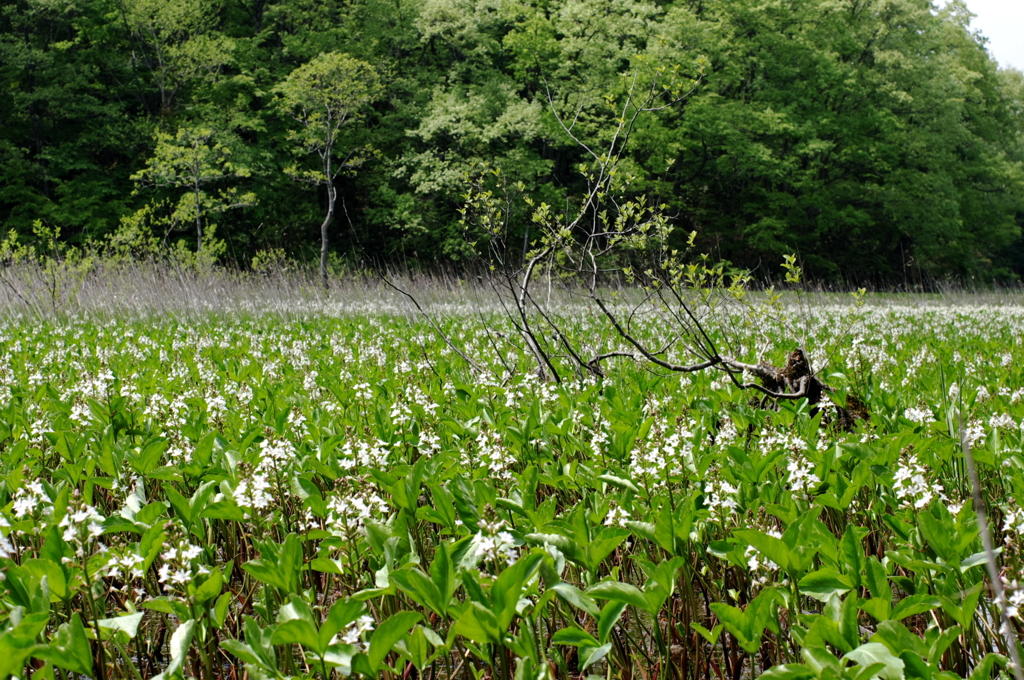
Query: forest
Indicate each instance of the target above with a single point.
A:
(874, 139)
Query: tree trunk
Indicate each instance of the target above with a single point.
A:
(331, 196)
(199, 218)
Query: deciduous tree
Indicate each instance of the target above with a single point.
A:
(323, 96)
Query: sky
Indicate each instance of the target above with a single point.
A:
(1002, 22)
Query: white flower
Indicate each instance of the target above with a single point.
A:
(723, 498)
(494, 543)
(616, 517)
(800, 474)
(353, 634)
(919, 416)
(1002, 420)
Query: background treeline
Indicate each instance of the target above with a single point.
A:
(874, 138)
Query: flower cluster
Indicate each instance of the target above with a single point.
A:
(30, 500)
(255, 492)
(363, 454)
(659, 458)
(6, 547)
(82, 525)
(493, 542)
(353, 634)
(720, 498)
(911, 484)
(801, 474)
(918, 416)
(181, 564)
(617, 516)
(348, 511)
(1014, 593)
(492, 454)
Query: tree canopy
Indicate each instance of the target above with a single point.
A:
(876, 139)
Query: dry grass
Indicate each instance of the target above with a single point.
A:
(149, 288)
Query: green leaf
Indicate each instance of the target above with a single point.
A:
(70, 648)
(875, 652)
(769, 546)
(54, 574)
(710, 635)
(281, 569)
(573, 636)
(387, 634)
(620, 483)
(608, 617)
(178, 648)
(241, 651)
(590, 655)
(915, 604)
(442, 573)
(788, 671)
(878, 608)
(573, 596)
(298, 632)
(127, 624)
(877, 579)
(983, 671)
(15, 649)
(621, 592)
(938, 534)
(342, 613)
(210, 588)
(478, 624)
(824, 583)
(899, 639)
(736, 622)
(976, 559)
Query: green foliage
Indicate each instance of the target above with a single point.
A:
(872, 139)
(189, 161)
(340, 495)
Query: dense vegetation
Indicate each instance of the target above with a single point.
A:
(874, 138)
(320, 497)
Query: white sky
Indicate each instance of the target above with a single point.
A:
(1002, 22)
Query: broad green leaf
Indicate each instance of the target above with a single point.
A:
(127, 624)
(875, 652)
(573, 596)
(589, 654)
(420, 588)
(15, 649)
(574, 636)
(298, 632)
(824, 583)
(478, 624)
(621, 592)
(70, 648)
(608, 618)
(788, 671)
(915, 604)
(769, 546)
(342, 613)
(387, 634)
(710, 635)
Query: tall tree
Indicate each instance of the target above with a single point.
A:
(323, 96)
(189, 162)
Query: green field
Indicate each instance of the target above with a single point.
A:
(334, 493)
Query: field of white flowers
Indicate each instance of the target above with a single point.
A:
(333, 492)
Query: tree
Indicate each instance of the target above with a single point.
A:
(610, 233)
(175, 42)
(191, 160)
(323, 96)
